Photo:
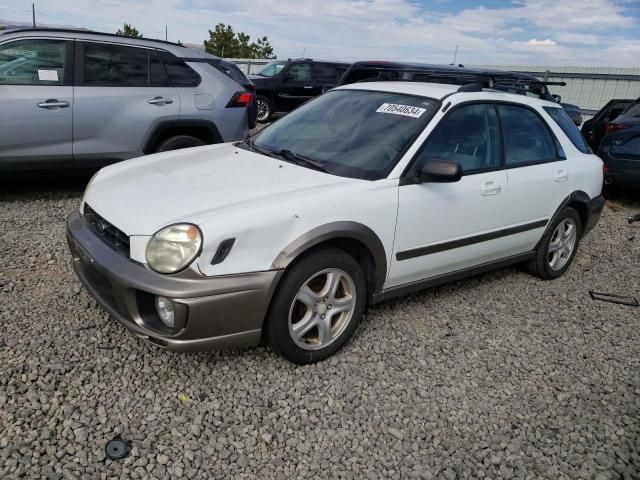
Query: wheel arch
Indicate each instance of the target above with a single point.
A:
(578, 200)
(354, 238)
(203, 129)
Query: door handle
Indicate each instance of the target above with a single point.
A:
(53, 103)
(490, 188)
(308, 86)
(561, 176)
(160, 101)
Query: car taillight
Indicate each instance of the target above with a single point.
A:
(605, 168)
(614, 127)
(240, 99)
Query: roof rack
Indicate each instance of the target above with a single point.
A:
(522, 86)
(89, 32)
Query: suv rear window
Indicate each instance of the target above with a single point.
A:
(562, 118)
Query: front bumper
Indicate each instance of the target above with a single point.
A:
(595, 211)
(212, 312)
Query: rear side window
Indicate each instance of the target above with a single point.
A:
(561, 117)
(632, 112)
(181, 74)
(327, 73)
(32, 62)
(527, 139)
(115, 66)
(231, 71)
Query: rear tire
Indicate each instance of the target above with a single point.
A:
(177, 142)
(265, 109)
(317, 307)
(558, 246)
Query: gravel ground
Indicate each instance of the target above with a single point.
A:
(499, 376)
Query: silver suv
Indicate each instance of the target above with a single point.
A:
(76, 99)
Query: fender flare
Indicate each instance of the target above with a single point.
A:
(578, 196)
(337, 230)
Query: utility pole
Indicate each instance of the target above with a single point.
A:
(33, 14)
(304, 50)
(455, 56)
(166, 34)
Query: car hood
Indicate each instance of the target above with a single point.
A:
(142, 195)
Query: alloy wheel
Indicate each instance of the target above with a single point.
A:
(563, 242)
(322, 309)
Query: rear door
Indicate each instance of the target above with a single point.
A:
(122, 93)
(326, 76)
(537, 172)
(594, 129)
(36, 98)
(622, 146)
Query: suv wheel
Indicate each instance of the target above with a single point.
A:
(265, 109)
(558, 246)
(317, 307)
(177, 142)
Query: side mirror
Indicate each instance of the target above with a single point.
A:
(439, 171)
(557, 97)
(287, 76)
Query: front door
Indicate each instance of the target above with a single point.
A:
(36, 95)
(445, 227)
(297, 86)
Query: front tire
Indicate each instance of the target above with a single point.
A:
(558, 246)
(317, 306)
(265, 109)
(177, 142)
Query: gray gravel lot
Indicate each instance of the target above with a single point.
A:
(499, 376)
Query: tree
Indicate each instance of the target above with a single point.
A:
(129, 31)
(224, 42)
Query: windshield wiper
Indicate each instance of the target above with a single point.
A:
(302, 161)
(251, 145)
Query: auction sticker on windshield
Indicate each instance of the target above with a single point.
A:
(404, 110)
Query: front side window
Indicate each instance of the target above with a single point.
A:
(468, 136)
(562, 118)
(271, 69)
(33, 62)
(351, 133)
(527, 139)
(300, 72)
(115, 66)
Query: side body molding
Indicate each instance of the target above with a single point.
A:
(334, 231)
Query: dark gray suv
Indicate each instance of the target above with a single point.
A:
(78, 99)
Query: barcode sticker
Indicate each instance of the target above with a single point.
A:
(404, 110)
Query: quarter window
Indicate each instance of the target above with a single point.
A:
(180, 73)
(467, 136)
(527, 139)
(561, 117)
(326, 73)
(33, 62)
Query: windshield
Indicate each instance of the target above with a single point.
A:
(352, 133)
(272, 69)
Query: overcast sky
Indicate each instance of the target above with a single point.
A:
(522, 32)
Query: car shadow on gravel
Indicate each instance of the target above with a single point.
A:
(52, 187)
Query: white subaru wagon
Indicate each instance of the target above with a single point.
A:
(370, 191)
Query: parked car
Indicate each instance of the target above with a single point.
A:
(79, 99)
(574, 112)
(368, 71)
(594, 129)
(369, 191)
(620, 149)
(282, 86)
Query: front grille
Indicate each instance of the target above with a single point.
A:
(111, 235)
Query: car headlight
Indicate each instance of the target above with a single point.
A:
(174, 247)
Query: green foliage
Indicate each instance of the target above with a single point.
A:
(129, 31)
(224, 42)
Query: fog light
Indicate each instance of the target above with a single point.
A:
(164, 307)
